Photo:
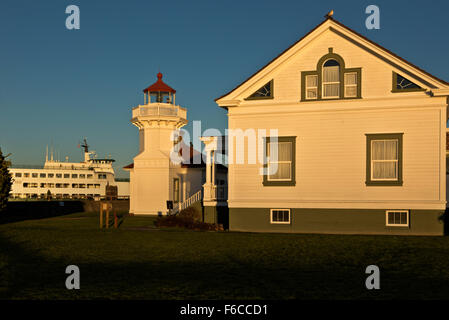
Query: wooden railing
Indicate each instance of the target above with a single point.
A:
(159, 109)
(178, 207)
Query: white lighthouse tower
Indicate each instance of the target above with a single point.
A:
(150, 174)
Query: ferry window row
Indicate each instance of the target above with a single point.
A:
(60, 185)
(57, 196)
(57, 175)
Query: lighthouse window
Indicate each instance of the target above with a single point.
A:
(66, 175)
(101, 176)
(74, 175)
(42, 175)
(58, 175)
(34, 175)
(82, 176)
(51, 175)
(89, 176)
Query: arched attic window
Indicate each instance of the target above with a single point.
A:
(331, 80)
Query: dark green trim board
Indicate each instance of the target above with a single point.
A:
(381, 136)
(336, 221)
(318, 72)
(216, 215)
(291, 182)
(271, 96)
(395, 89)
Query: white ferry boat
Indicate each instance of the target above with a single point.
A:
(67, 180)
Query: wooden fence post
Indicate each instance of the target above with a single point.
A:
(107, 217)
(101, 215)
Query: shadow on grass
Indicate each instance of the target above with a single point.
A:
(31, 210)
(25, 274)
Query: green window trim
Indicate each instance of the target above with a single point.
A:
(292, 181)
(394, 88)
(319, 74)
(271, 96)
(382, 136)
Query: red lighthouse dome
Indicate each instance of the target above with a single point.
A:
(159, 86)
(160, 92)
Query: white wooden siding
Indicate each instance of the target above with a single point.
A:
(331, 159)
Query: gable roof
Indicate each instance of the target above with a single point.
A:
(331, 20)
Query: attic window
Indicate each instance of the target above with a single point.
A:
(331, 80)
(265, 92)
(402, 84)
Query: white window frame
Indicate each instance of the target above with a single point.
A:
(397, 161)
(334, 82)
(407, 212)
(280, 162)
(280, 222)
(307, 87)
(350, 85)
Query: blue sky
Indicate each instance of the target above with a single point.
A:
(58, 86)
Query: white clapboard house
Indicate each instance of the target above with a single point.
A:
(361, 136)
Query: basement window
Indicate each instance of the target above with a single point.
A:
(280, 216)
(397, 218)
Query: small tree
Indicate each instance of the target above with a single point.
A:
(5, 182)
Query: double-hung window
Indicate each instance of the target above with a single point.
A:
(312, 86)
(279, 161)
(350, 84)
(384, 159)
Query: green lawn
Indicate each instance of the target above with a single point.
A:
(139, 261)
